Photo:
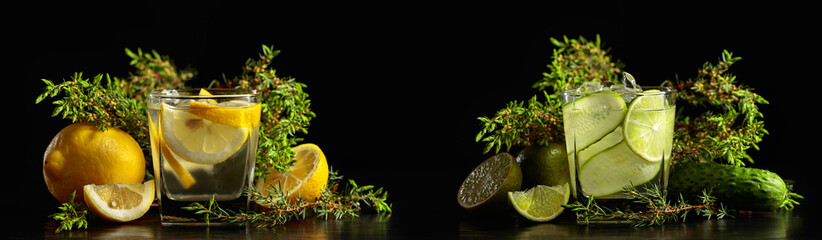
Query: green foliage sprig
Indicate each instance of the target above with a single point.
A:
(278, 210)
(656, 208)
(71, 216)
(102, 104)
(730, 123)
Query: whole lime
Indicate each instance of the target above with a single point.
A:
(544, 165)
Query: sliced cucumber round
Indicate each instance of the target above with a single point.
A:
(611, 170)
(591, 117)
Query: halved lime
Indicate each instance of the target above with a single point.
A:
(649, 125)
(485, 187)
(540, 203)
(591, 117)
(609, 171)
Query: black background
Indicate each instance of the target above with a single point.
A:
(397, 87)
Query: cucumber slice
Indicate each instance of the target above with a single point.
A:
(591, 117)
(609, 171)
(606, 142)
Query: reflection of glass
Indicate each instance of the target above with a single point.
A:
(617, 137)
(204, 145)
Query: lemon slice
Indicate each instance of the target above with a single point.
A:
(119, 202)
(199, 140)
(649, 125)
(182, 174)
(306, 179)
(540, 203)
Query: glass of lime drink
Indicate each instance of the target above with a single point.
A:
(203, 146)
(617, 136)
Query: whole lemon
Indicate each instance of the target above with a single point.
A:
(80, 154)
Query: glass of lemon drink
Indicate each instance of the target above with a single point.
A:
(204, 146)
(617, 135)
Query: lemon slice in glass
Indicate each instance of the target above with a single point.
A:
(119, 202)
(648, 126)
(195, 138)
(540, 203)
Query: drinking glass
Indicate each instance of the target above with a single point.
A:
(203, 146)
(617, 138)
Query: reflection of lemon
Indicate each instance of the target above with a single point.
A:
(306, 179)
(197, 139)
(119, 202)
(80, 155)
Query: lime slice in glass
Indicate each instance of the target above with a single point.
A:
(540, 203)
(483, 191)
(649, 125)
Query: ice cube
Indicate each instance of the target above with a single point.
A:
(590, 87)
(629, 83)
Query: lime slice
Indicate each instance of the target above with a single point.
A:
(485, 187)
(540, 203)
(591, 117)
(649, 125)
(609, 171)
(199, 140)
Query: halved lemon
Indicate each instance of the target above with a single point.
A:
(119, 202)
(197, 139)
(306, 179)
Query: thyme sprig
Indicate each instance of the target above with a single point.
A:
(656, 208)
(731, 122)
(71, 215)
(277, 210)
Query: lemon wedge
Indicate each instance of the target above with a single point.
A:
(306, 179)
(119, 202)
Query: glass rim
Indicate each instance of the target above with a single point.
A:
(664, 90)
(216, 93)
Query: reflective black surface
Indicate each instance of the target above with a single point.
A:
(404, 225)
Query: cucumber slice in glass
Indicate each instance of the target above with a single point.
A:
(591, 117)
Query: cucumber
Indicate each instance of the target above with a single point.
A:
(738, 188)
